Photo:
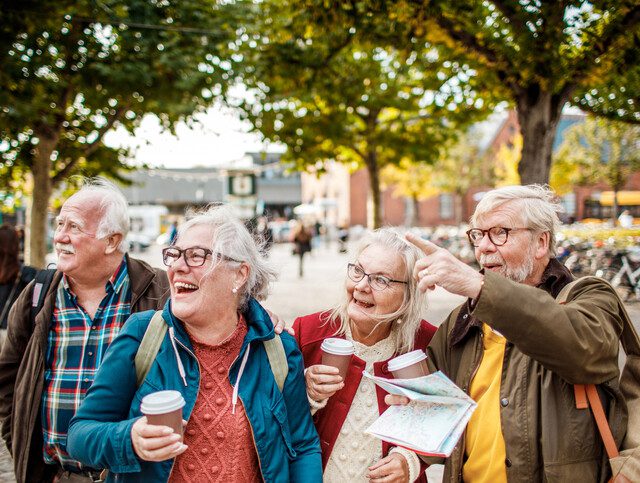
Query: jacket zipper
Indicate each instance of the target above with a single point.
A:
(253, 438)
(467, 389)
(173, 463)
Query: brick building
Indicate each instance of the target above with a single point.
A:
(353, 204)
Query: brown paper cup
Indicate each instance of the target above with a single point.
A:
(340, 361)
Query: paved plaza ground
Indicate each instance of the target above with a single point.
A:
(319, 288)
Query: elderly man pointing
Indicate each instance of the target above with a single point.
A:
(518, 352)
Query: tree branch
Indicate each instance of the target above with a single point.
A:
(511, 14)
(612, 115)
(585, 64)
(64, 172)
(120, 111)
(459, 34)
(93, 146)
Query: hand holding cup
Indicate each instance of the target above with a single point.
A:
(322, 381)
(157, 436)
(155, 443)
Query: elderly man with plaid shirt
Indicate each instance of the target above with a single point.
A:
(47, 367)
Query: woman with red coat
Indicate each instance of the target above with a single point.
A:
(381, 313)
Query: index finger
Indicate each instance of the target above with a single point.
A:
(425, 245)
(322, 369)
(154, 431)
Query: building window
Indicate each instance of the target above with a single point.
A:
(569, 204)
(446, 206)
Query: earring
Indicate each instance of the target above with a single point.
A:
(235, 290)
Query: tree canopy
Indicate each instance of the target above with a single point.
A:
(598, 150)
(72, 70)
(537, 55)
(329, 93)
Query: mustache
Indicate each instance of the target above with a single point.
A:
(65, 247)
(491, 259)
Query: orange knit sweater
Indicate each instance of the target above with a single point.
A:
(221, 446)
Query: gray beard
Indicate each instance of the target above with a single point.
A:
(517, 274)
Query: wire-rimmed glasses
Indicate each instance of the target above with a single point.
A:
(193, 256)
(376, 280)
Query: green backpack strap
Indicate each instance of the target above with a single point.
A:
(149, 346)
(277, 359)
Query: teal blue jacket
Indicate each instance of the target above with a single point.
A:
(286, 440)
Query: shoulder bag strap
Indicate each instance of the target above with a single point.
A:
(41, 286)
(149, 346)
(277, 359)
(601, 420)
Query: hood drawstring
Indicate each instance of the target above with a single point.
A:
(172, 336)
(234, 398)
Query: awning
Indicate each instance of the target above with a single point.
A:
(625, 198)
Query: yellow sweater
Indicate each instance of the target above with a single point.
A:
(484, 444)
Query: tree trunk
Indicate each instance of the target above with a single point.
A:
(374, 184)
(42, 189)
(538, 114)
(614, 213)
(415, 219)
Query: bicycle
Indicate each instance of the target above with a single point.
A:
(623, 274)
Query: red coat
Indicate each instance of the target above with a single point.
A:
(310, 331)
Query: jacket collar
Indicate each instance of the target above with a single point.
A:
(554, 277)
(259, 325)
(140, 276)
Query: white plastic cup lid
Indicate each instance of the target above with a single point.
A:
(406, 360)
(162, 402)
(339, 347)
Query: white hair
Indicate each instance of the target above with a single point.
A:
(537, 204)
(232, 239)
(414, 303)
(113, 207)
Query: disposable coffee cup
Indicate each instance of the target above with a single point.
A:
(164, 408)
(409, 365)
(337, 353)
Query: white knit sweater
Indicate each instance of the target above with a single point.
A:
(354, 451)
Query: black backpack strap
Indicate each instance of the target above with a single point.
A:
(42, 282)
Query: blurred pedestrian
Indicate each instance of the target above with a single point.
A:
(20, 233)
(14, 276)
(265, 234)
(173, 233)
(625, 219)
(302, 244)
(343, 237)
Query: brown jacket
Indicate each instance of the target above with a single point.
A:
(22, 367)
(550, 347)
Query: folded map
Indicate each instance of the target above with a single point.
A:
(432, 423)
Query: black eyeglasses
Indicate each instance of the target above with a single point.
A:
(497, 234)
(376, 281)
(193, 256)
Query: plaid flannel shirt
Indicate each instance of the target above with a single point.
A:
(75, 349)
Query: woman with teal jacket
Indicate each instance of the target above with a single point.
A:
(240, 426)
